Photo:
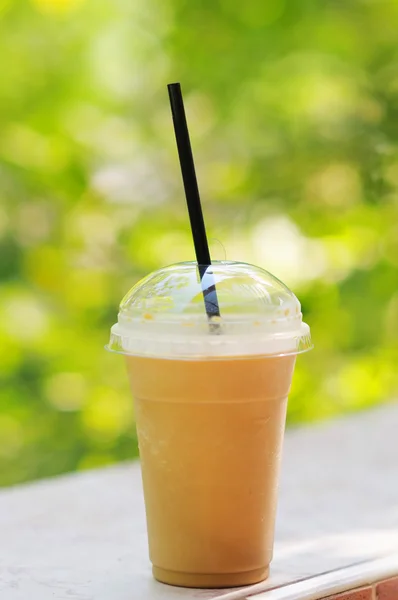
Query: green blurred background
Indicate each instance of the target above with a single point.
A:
(293, 110)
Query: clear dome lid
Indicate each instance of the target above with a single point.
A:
(233, 309)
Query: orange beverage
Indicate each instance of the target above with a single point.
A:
(210, 437)
(210, 405)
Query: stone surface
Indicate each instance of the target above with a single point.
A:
(362, 594)
(347, 580)
(82, 537)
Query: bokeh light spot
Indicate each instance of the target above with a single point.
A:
(107, 414)
(25, 318)
(66, 391)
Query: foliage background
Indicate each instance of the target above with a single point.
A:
(293, 108)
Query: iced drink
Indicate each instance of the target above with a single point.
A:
(210, 413)
(210, 435)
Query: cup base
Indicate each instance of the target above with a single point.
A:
(209, 580)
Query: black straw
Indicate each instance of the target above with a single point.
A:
(193, 197)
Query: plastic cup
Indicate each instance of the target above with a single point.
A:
(210, 404)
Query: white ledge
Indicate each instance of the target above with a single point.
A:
(83, 537)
